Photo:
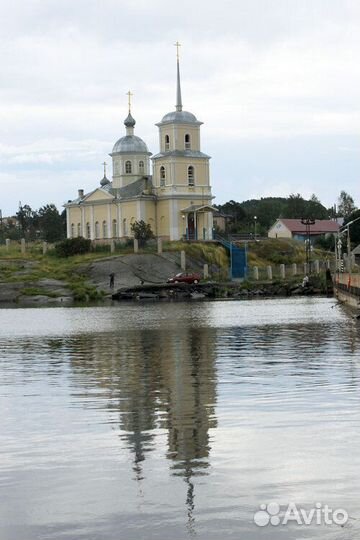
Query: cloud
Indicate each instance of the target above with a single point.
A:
(252, 70)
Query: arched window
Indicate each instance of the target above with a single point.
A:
(104, 229)
(72, 233)
(162, 176)
(141, 167)
(88, 231)
(79, 229)
(97, 229)
(191, 176)
(167, 142)
(128, 167)
(124, 227)
(114, 228)
(187, 142)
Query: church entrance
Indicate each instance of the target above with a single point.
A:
(191, 227)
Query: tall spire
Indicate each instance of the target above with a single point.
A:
(129, 120)
(105, 180)
(178, 87)
(129, 95)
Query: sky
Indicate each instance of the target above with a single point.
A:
(276, 83)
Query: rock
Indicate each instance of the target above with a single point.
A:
(36, 300)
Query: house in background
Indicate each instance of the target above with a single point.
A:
(293, 228)
(356, 253)
(220, 221)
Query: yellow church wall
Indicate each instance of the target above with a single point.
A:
(98, 195)
(163, 218)
(177, 134)
(179, 176)
(74, 215)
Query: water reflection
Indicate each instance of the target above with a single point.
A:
(154, 381)
(194, 414)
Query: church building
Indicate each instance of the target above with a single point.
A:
(175, 199)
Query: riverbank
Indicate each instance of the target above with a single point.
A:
(37, 279)
(180, 291)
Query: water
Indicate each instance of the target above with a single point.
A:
(176, 421)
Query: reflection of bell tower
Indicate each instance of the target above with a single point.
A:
(153, 380)
(189, 378)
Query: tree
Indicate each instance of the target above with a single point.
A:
(355, 228)
(346, 204)
(28, 221)
(50, 223)
(142, 231)
(296, 207)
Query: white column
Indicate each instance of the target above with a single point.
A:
(210, 225)
(83, 223)
(109, 227)
(92, 223)
(119, 220)
(141, 210)
(68, 224)
(174, 220)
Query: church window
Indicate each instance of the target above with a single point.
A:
(187, 142)
(167, 142)
(79, 229)
(114, 227)
(72, 230)
(191, 176)
(162, 176)
(128, 167)
(88, 231)
(141, 167)
(97, 229)
(104, 229)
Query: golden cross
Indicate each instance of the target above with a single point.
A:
(104, 168)
(177, 45)
(129, 94)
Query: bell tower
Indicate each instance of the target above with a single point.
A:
(181, 169)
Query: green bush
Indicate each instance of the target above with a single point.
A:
(73, 246)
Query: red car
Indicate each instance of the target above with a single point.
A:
(185, 278)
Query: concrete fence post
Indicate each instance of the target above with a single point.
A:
(136, 245)
(282, 271)
(23, 246)
(305, 269)
(183, 260)
(7, 242)
(269, 272)
(206, 271)
(159, 245)
(44, 248)
(294, 269)
(112, 246)
(317, 267)
(256, 273)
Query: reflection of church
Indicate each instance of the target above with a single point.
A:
(175, 200)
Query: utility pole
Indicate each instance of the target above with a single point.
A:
(308, 222)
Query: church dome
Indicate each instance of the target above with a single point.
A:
(130, 143)
(104, 181)
(129, 121)
(180, 117)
